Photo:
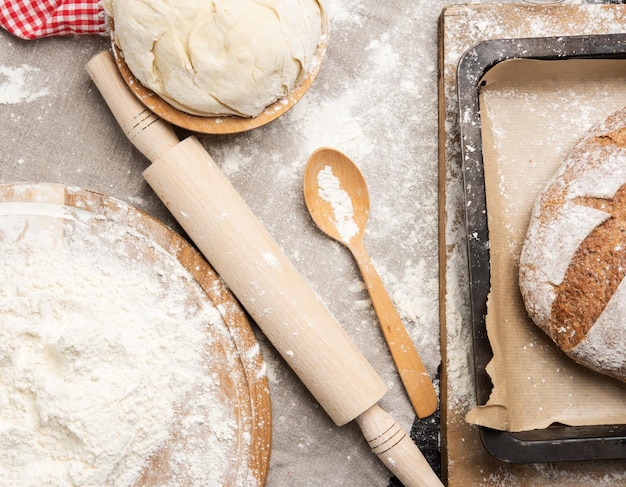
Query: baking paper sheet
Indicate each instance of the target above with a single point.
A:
(532, 113)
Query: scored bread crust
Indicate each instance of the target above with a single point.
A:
(573, 260)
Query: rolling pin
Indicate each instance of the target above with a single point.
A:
(267, 284)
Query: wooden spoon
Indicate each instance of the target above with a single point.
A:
(336, 196)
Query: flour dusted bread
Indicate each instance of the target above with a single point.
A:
(573, 261)
(218, 57)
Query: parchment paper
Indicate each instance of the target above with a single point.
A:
(532, 113)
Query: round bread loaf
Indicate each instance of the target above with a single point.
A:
(573, 260)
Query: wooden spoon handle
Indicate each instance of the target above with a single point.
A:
(396, 450)
(413, 374)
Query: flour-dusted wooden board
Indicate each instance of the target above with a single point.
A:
(232, 357)
(466, 462)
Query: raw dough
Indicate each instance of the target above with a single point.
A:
(218, 57)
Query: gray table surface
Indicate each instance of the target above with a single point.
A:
(375, 99)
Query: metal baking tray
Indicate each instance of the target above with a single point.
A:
(557, 443)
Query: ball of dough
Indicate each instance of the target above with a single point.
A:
(218, 57)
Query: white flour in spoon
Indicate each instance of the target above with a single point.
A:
(330, 190)
(99, 347)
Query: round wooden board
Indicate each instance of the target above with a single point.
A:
(234, 356)
(225, 124)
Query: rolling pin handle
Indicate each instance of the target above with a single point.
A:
(151, 135)
(395, 449)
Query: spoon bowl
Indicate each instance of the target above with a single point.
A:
(336, 196)
(340, 214)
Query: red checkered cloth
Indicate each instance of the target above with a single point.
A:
(31, 19)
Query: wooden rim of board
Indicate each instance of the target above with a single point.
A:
(246, 384)
(225, 124)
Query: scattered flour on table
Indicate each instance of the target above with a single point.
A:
(16, 85)
(99, 349)
(330, 190)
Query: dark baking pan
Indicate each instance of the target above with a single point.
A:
(558, 442)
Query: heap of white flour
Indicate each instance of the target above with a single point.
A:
(99, 346)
